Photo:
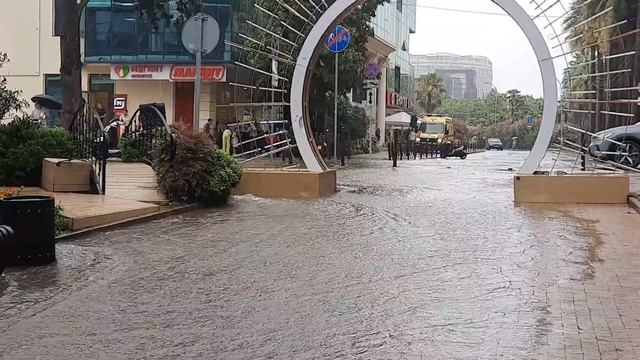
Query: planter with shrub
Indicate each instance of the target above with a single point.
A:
(23, 145)
(198, 172)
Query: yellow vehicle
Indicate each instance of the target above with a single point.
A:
(436, 129)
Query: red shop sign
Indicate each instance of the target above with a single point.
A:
(188, 73)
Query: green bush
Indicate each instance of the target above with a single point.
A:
(198, 173)
(129, 151)
(23, 145)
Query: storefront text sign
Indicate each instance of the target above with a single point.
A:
(140, 72)
(396, 100)
(188, 73)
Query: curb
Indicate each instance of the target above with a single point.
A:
(178, 210)
(634, 202)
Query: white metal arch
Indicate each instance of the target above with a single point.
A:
(340, 8)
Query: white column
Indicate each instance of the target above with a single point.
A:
(381, 108)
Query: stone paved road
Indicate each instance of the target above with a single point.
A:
(428, 261)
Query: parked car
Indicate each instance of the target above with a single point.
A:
(494, 144)
(612, 144)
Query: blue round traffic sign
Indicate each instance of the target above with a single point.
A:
(338, 40)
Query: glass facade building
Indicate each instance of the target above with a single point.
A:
(115, 32)
(394, 23)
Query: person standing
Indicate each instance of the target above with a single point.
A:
(38, 114)
(208, 128)
(102, 113)
(412, 143)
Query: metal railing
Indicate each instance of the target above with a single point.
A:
(148, 126)
(266, 144)
(90, 142)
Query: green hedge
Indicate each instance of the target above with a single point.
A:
(23, 145)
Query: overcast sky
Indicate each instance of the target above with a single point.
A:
(497, 37)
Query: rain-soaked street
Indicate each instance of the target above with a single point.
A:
(427, 261)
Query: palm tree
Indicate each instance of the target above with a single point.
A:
(430, 91)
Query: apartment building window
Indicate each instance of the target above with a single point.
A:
(399, 5)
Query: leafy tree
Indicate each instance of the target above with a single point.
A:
(321, 91)
(516, 103)
(71, 61)
(352, 118)
(10, 100)
(430, 91)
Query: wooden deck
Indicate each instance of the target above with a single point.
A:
(133, 181)
(87, 210)
(131, 193)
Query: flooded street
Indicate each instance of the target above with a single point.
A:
(427, 261)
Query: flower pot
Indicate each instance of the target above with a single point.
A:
(32, 219)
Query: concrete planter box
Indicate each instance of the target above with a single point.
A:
(60, 175)
(283, 184)
(571, 189)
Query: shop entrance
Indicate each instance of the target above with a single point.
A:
(101, 92)
(183, 102)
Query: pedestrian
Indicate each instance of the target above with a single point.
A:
(38, 114)
(235, 142)
(102, 113)
(412, 143)
(208, 127)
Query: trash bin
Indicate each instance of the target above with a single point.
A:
(32, 219)
(6, 240)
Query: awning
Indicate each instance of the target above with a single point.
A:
(398, 119)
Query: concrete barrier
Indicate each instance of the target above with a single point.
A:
(287, 184)
(571, 189)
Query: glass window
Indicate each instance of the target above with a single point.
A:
(116, 33)
(53, 85)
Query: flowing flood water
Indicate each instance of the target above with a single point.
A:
(427, 261)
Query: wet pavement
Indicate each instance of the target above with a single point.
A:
(427, 261)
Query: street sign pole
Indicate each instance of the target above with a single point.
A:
(198, 81)
(200, 36)
(335, 113)
(337, 42)
(372, 108)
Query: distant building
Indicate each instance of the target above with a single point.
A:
(466, 77)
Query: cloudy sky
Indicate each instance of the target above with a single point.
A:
(495, 36)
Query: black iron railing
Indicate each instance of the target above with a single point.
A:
(90, 142)
(147, 127)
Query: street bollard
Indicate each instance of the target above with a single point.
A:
(395, 148)
(583, 156)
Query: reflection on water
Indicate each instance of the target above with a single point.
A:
(430, 260)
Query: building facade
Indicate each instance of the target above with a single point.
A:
(394, 23)
(127, 61)
(465, 77)
(389, 53)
